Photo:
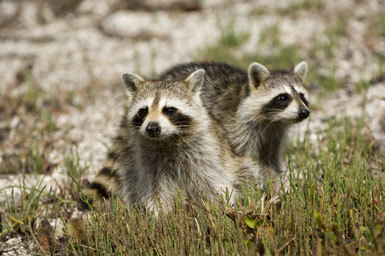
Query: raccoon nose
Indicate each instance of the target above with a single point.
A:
(303, 113)
(153, 129)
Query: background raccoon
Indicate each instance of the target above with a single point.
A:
(167, 141)
(256, 108)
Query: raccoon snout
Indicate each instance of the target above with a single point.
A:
(303, 113)
(153, 129)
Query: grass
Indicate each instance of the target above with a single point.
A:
(362, 86)
(292, 8)
(227, 49)
(295, 6)
(334, 204)
(35, 124)
(74, 170)
(30, 207)
(333, 207)
(31, 160)
(231, 38)
(377, 25)
(23, 220)
(327, 80)
(329, 41)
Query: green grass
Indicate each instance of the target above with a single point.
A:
(31, 160)
(334, 204)
(329, 41)
(309, 5)
(228, 47)
(34, 110)
(73, 166)
(327, 81)
(292, 9)
(28, 207)
(337, 29)
(377, 25)
(381, 25)
(75, 170)
(22, 212)
(231, 38)
(333, 207)
(362, 86)
(271, 36)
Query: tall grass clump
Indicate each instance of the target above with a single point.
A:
(333, 206)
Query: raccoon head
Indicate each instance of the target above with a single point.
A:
(160, 110)
(278, 96)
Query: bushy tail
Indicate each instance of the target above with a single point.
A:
(107, 179)
(104, 185)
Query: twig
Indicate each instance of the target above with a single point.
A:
(88, 247)
(35, 238)
(1, 221)
(283, 247)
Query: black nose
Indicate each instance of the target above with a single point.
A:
(303, 113)
(153, 129)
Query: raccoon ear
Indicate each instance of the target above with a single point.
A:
(196, 79)
(257, 74)
(130, 81)
(301, 69)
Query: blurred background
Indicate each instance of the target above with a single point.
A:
(61, 97)
(61, 61)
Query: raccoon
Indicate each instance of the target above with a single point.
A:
(169, 145)
(256, 108)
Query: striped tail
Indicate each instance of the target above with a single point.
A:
(107, 180)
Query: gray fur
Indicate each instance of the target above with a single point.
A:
(130, 81)
(257, 74)
(196, 79)
(196, 160)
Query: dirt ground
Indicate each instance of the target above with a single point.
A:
(60, 67)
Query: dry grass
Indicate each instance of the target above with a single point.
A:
(334, 205)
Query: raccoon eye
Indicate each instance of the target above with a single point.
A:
(143, 112)
(169, 110)
(283, 97)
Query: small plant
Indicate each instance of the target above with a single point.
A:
(21, 213)
(308, 5)
(231, 38)
(32, 159)
(270, 36)
(362, 86)
(74, 170)
(224, 48)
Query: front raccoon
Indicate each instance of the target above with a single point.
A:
(256, 108)
(173, 145)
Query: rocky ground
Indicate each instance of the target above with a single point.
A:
(60, 67)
